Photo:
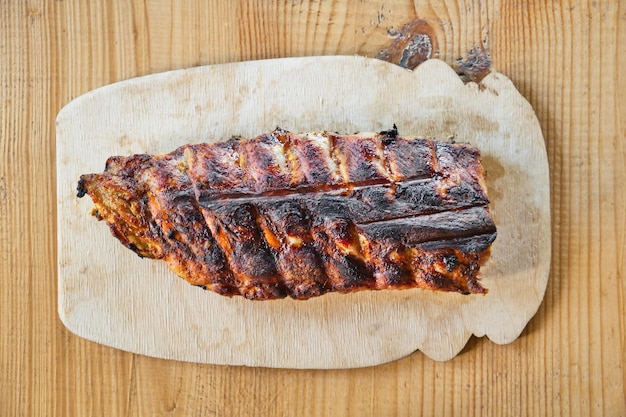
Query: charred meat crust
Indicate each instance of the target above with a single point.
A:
(287, 215)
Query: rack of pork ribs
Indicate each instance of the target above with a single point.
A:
(300, 215)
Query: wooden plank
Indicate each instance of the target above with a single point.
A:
(564, 56)
(107, 294)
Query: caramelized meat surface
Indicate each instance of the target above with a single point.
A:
(302, 215)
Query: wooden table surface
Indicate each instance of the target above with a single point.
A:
(564, 56)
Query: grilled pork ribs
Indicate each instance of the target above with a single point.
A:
(285, 214)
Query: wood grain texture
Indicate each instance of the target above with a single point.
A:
(154, 313)
(565, 56)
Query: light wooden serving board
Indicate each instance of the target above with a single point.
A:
(109, 295)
